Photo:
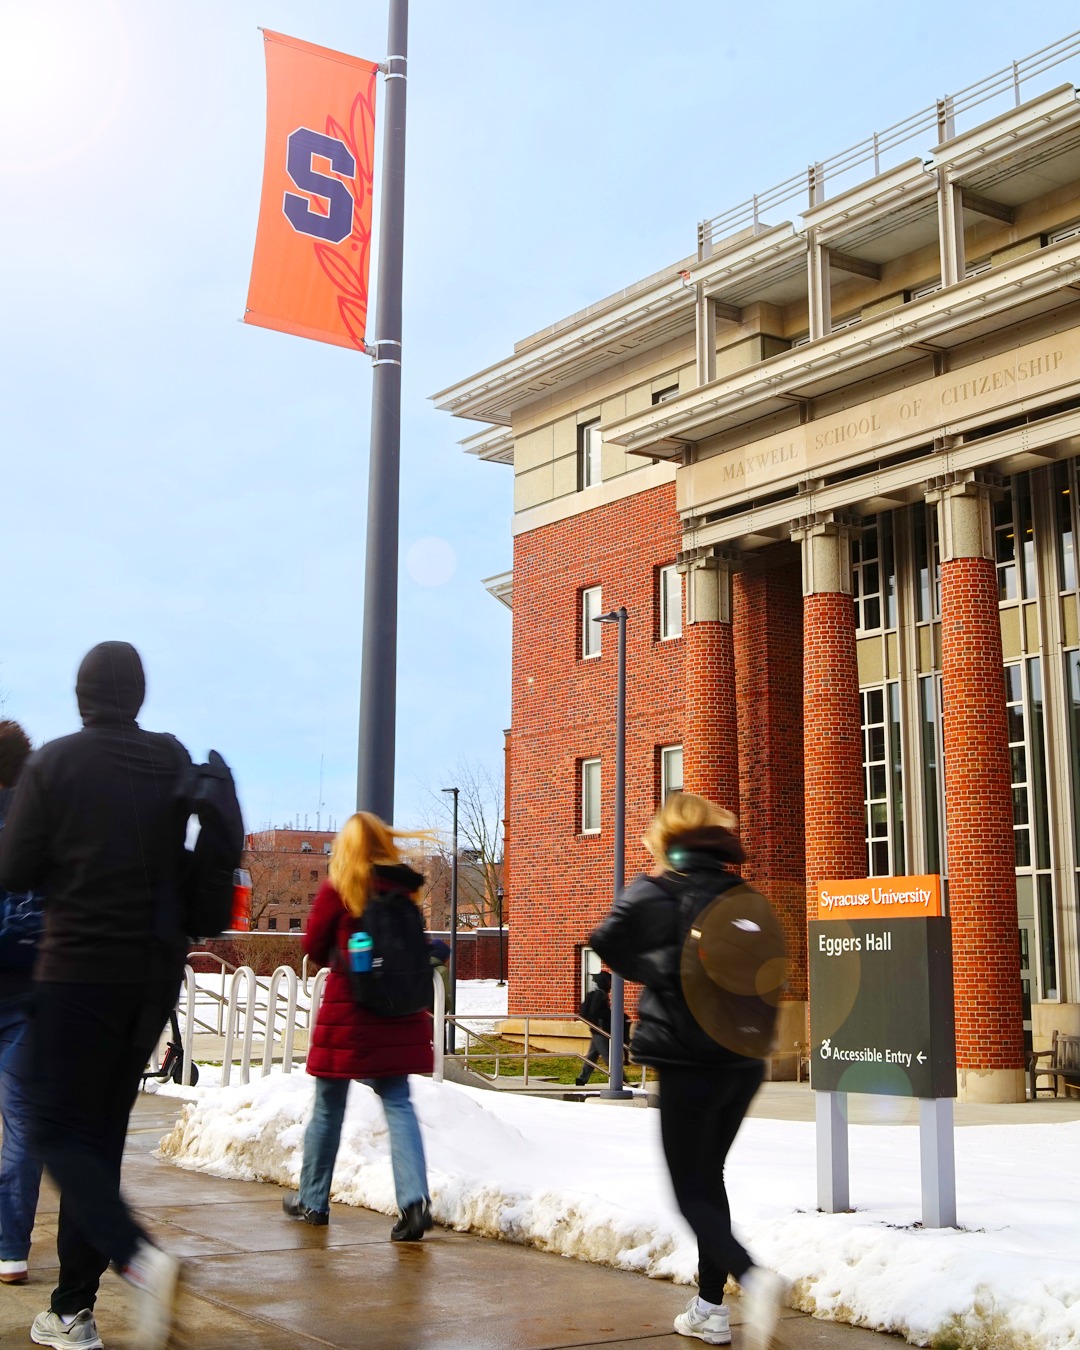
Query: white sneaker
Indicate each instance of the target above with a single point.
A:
(155, 1276)
(13, 1272)
(763, 1293)
(711, 1327)
(82, 1333)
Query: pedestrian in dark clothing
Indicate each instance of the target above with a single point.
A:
(96, 825)
(705, 1088)
(350, 1042)
(20, 1168)
(596, 1010)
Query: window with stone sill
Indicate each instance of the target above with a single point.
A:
(591, 609)
(671, 771)
(590, 796)
(590, 463)
(670, 602)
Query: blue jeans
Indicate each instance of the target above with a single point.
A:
(323, 1135)
(20, 1170)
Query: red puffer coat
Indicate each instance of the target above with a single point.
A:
(348, 1041)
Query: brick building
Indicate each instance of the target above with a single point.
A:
(287, 868)
(831, 466)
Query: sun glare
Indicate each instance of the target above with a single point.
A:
(64, 68)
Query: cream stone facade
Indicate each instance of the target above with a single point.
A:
(898, 368)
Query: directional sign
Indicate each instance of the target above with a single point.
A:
(881, 1007)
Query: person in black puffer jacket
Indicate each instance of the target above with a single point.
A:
(705, 1088)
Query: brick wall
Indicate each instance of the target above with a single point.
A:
(978, 785)
(711, 752)
(835, 813)
(564, 711)
(767, 619)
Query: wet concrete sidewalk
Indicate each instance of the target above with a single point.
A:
(258, 1281)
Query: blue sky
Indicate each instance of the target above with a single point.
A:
(196, 486)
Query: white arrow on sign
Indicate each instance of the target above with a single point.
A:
(920, 1057)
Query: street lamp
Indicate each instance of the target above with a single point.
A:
(453, 920)
(615, 1086)
(502, 955)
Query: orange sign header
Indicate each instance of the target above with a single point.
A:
(880, 898)
(309, 275)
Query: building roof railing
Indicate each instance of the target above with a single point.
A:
(939, 117)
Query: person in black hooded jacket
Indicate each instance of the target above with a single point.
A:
(705, 1087)
(96, 826)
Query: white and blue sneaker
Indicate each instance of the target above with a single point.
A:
(709, 1323)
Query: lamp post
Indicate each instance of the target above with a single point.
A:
(453, 921)
(615, 1086)
(502, 956)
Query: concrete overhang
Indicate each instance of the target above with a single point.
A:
(501, 587)
(605, 334)
(1020, 130)
(946, 317)
(495, 445)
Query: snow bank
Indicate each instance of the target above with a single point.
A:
(588, 1181)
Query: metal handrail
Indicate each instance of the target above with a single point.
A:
(940, 115)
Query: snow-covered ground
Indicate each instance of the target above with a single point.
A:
(588, 1180)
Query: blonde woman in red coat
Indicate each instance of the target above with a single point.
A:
(349, 1042)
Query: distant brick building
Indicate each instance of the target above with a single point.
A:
(287, 868)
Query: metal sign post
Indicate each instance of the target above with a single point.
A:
(882, 1023)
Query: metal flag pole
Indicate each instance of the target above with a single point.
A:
(378, 667)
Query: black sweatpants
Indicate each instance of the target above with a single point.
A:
(701, 1110)
(90, 1044)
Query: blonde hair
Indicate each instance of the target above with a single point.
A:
(680, 814)
(363, 843)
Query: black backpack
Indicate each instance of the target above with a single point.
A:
(209, 792)
(733, 968)
(400, 979)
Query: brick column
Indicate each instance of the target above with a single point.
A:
(834, 797)
(767, 628)
(978, 803)
(710, 738)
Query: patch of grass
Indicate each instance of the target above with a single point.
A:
(562, 1069)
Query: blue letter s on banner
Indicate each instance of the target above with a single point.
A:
(304, 144)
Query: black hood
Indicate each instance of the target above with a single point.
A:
(110, 686)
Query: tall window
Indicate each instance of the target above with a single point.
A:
(1031, 828)
(590, 796)
(1064, 496)
(670, 586)
(671, 775)
(589, 463)
(933, 769)
(874, 576)
(883, 771)
(927, 564)
(1014, 542)
(590, 629)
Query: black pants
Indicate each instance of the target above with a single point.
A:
(701, 1110)
(90, 1044)
(599, 1048)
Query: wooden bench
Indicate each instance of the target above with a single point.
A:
(1064, 1065)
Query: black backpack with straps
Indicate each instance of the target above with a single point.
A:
(400, 979)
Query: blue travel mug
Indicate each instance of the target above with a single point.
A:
(359, 953)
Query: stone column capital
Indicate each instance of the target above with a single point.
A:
(964, 504)
(708, 575)
(825, 537)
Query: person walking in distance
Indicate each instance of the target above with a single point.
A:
(596, 1010)
(20, 1168)
(350, 1041)
(96, 826)
(705, 1085)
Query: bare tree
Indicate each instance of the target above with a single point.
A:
(480, 845)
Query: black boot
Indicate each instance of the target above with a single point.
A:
(413, 1222)
(295, 1210)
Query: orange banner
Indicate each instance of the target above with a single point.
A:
(309, 275)
(880, 898)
